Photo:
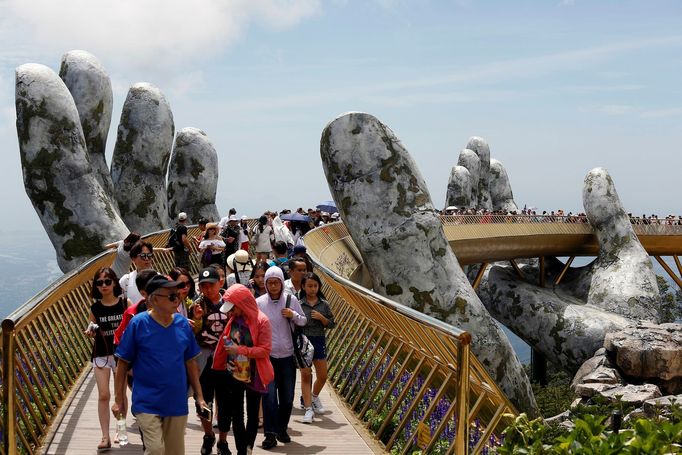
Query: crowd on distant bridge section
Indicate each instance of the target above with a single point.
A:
(555, 216)
(233, 339)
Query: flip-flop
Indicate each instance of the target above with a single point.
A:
(104, 445)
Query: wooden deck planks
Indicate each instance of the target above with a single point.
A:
(333, 433)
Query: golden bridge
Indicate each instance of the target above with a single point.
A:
(401, 381)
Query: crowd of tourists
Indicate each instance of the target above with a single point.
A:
(233, 340)
(554, 216)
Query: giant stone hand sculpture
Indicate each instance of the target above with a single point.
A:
(62, 128)
(74, 209)
(388, 211)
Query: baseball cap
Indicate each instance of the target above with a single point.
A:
(209, 275)
(233, 218)
(299, 249)
(226, 306)
(160, 281)
(182, 216)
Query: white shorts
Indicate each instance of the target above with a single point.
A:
(104, 362)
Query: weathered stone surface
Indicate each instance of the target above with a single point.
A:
(654, 406)
(590, 365)
(140, 161)
(631, 393)
(75, 211)
(500, 188)
(386, 206)
(563, 328)
(623, 280)
(193, 176)
(90, 88)
(469, 160)
(480, 147)
(589, 390)
(460, 187)
(648, 351)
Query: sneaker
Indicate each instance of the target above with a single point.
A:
(317, 406)
(269, 442)
(223, 448)
(284, 437)
(207, 446)
(308, 417)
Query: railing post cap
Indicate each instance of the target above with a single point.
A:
(7, 325)
(464, 338)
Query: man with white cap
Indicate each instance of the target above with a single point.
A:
(230, 234)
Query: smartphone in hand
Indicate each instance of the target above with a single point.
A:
(205, 413)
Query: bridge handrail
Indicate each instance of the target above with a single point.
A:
(648, 227)
(45, 352)
(369, 328)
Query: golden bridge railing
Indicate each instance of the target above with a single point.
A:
(45, 353)
(408, 376)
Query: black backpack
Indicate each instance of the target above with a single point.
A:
(172, 238)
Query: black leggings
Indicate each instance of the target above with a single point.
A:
(230, 396)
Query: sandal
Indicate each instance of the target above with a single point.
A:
(104, 445)
(116, 438)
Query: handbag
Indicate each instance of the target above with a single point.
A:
(303, 348)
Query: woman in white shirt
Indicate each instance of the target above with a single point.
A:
(212, 247)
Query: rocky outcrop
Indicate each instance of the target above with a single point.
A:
(648, 351)
(193, 176)
(623, 280)
(140, 160)
(564, 329)
(90, 88)
(75, 211)
(387, 208)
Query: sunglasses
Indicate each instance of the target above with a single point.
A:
(146, 255)
(183, 284)
(171, 297)
(105, 282)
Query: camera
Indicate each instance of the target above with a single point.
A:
(92, 327)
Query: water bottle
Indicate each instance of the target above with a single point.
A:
(122, 431)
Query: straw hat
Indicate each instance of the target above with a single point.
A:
(241, 260)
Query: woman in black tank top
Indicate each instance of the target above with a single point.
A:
(106, 314)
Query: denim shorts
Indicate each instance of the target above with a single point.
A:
(320, 345)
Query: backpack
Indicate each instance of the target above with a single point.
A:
(172, 238)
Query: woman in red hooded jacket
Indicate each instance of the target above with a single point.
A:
(244, 351)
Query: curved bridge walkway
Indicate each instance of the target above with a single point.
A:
(406, 375)
(335, 432)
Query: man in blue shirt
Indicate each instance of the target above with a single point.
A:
(160, 347)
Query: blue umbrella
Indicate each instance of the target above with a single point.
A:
(327, 206)
(294, 217)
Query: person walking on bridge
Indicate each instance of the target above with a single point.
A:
(160, 346)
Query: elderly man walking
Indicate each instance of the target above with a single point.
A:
(160, 346)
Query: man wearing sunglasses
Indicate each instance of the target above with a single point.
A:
(142, 254)
(160, 346)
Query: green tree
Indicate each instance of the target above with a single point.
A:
(671, 300)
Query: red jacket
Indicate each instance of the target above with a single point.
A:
(261, 334)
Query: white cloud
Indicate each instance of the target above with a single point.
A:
(660, 113)
(149, 32)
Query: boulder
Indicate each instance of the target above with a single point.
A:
(623, 280)
(193, 176)
(661, 405)
(648, 351)
(631, 393)
(387, 209)
(90, 88)
(75, 211)
(140, 160)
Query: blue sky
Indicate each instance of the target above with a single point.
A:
(556, 87)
